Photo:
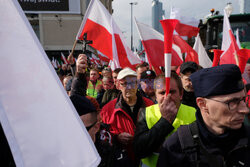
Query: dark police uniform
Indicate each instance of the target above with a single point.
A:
(194, 145)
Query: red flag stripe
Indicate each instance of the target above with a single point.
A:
(102, 39)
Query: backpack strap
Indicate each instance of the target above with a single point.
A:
(193, 149)
(188, 145)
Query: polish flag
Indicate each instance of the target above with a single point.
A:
(153, 43)
(103, 57)
(232, 53)
(58, 64)
(168, 27)
(54, 63)
(106, 35)
(186, 26)
(204, 60)
(191, 54)
(63, 58)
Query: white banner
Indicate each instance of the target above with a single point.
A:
(42, 126)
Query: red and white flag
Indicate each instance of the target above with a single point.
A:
(58, 64)
(54, 63)
(204, 60)
(186, 26)
(153, 43)
(232, 53)
(106, 35)
(63, 58)
(168, 27)
(41, 124)
(103, 57)
(191, 54)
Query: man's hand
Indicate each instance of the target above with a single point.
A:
(125, 138)
(168, 109)
(81, 63)
(70, 59)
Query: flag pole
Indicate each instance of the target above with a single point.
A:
(73, 48)
(236, 58)
(70, 57)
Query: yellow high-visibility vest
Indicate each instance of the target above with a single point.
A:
(185, 116)
(91, 90)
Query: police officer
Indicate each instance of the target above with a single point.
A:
(219, 137)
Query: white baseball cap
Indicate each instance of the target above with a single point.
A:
(126, 72)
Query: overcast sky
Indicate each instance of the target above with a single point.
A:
(142, 11)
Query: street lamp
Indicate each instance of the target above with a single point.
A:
(132, 3)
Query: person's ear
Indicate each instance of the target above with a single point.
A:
(202, 103)
(181, 94)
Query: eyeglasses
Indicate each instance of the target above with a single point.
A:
(234, 103)
(130, 84)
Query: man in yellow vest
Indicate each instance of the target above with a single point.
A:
(93, 83)
(160, 120)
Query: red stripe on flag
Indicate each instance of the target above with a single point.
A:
(186, 48)
(186, 30)
(101, 37)
(155, 51)
(122, 55)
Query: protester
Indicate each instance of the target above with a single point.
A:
(106, 72)
(66, 80)
(114, 76)
(147, 85)
(160, 120)
(93, 83)
(186, 69)
(121, 116)
(141, 68)
(107, 84)
(218, 137)
(89, 111)
(246, 74)
(111, 94)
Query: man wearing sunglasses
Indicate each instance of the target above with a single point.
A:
(218, 137)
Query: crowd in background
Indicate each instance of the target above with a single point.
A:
(132, 121)
(114, 107)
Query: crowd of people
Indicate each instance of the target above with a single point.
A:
(202, 121)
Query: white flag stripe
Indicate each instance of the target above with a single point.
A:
(226, 40)
(175, 13)
(94, 11)
(148, 32)
(238, 38)
(39, 120)
(204, 60)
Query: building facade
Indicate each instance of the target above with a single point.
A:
(157, 14)
(57, 31)
(244, 6)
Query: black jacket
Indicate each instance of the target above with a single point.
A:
(228, 150)
(189, 99)
(79, 84)
(146, 141)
